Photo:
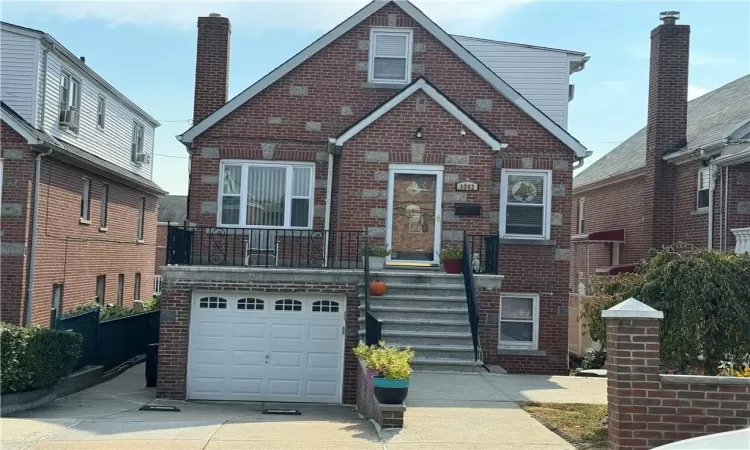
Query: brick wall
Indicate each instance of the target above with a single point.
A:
(175, 304)
(293, 118)
(68, 252)
(15, 221)
(738, 202)
(161, 247)
(647, 409)
(74, 254)
(387, 416)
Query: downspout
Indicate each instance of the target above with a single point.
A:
(721, 207)
(329, 188)
(711, 190)
(34, 223)
(725, 228)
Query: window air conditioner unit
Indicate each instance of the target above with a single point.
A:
(142, 158)
(69, 118)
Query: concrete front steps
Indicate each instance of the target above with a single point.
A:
(427, 312)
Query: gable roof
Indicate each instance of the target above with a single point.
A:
(502, 87)
(711, 117)
(72, 153)
(80, 65)
(438, 97)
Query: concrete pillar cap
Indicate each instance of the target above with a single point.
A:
(632, 309)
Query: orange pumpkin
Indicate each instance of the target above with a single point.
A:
(377, 288)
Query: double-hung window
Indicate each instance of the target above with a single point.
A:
(519, 321)
(70, 101)
(101, 111)
(266, 195)
(390, 55)
(704, 187)
(141, 218)
(581, 215)
(105, 207)
(85, 200)
(525, 201)
(136, 144)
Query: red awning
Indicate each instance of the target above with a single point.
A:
(616, 270)
(617, 236)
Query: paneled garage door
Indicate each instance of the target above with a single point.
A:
(266, 347)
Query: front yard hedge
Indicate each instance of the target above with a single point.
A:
(35, 358)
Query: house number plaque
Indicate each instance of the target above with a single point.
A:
(467, 186)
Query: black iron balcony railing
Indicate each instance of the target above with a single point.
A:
(268, 248)
(483, 254)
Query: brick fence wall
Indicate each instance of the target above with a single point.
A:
(647, 409)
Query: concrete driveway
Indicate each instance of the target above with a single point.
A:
(445, 411)
(107, 417)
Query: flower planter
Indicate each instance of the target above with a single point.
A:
(371, 373)
(390, 392)
(452, 265)
(376, 262)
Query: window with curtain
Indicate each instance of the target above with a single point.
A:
(258, 195)
(390, 55)
(704, 187)
(525, 204)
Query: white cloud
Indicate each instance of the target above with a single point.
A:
(696, 91)
(459, 16)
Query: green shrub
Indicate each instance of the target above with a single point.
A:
(451, 253)
(378, 250)
(35, 358)
(593, 359)
(705, 297)
(392, 362)
(80, 309)
(113, 312)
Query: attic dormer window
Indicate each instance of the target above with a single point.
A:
(390, 55)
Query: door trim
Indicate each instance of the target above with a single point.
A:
(436, 170)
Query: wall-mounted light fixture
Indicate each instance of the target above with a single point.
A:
(418, 133)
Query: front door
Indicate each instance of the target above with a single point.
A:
(415, 196)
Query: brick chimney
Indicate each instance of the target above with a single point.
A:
(667, 122)
(211, 65)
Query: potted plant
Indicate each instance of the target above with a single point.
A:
(377, 255)
(391, 386)
(364, 354)
(451, 259)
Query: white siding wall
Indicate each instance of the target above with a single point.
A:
(113, 142)
(541, 76)
(18, 72)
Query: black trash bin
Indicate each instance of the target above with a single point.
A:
(152, 360)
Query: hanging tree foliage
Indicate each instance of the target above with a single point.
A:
(705, 297)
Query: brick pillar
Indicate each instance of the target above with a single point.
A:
(632, 368)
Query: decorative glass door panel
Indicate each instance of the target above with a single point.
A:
(414, 213)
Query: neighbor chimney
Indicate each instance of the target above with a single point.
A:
(211, 65)
(667, 123)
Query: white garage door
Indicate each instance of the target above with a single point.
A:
(266, 347)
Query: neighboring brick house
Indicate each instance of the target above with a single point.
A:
(385, 124)
(685, 177)
(78, 203)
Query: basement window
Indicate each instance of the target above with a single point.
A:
(519, 321)
(704, 184)
(390, 55)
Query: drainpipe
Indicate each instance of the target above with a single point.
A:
(579, 161)
(725, 228)
(712, 188)
(34, 224)
(327, 226)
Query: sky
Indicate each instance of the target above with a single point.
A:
(146, 49)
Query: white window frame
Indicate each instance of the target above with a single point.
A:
(546, 205)
(103, 214)
(513, 345)
(101, 111)
(141, 218)
(137, 286)
(707, 171)
(409, 33)
(86, 200)
(72, 100)
(581, 215)
(287, 193)
(136, 145)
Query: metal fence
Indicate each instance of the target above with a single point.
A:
(266, 248)
(111, 342)
(484, 253)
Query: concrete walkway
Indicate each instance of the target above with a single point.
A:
(445, 411)
(478, 411)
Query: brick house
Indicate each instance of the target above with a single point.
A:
(386, 130)
(685, 177)
(78, 202)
